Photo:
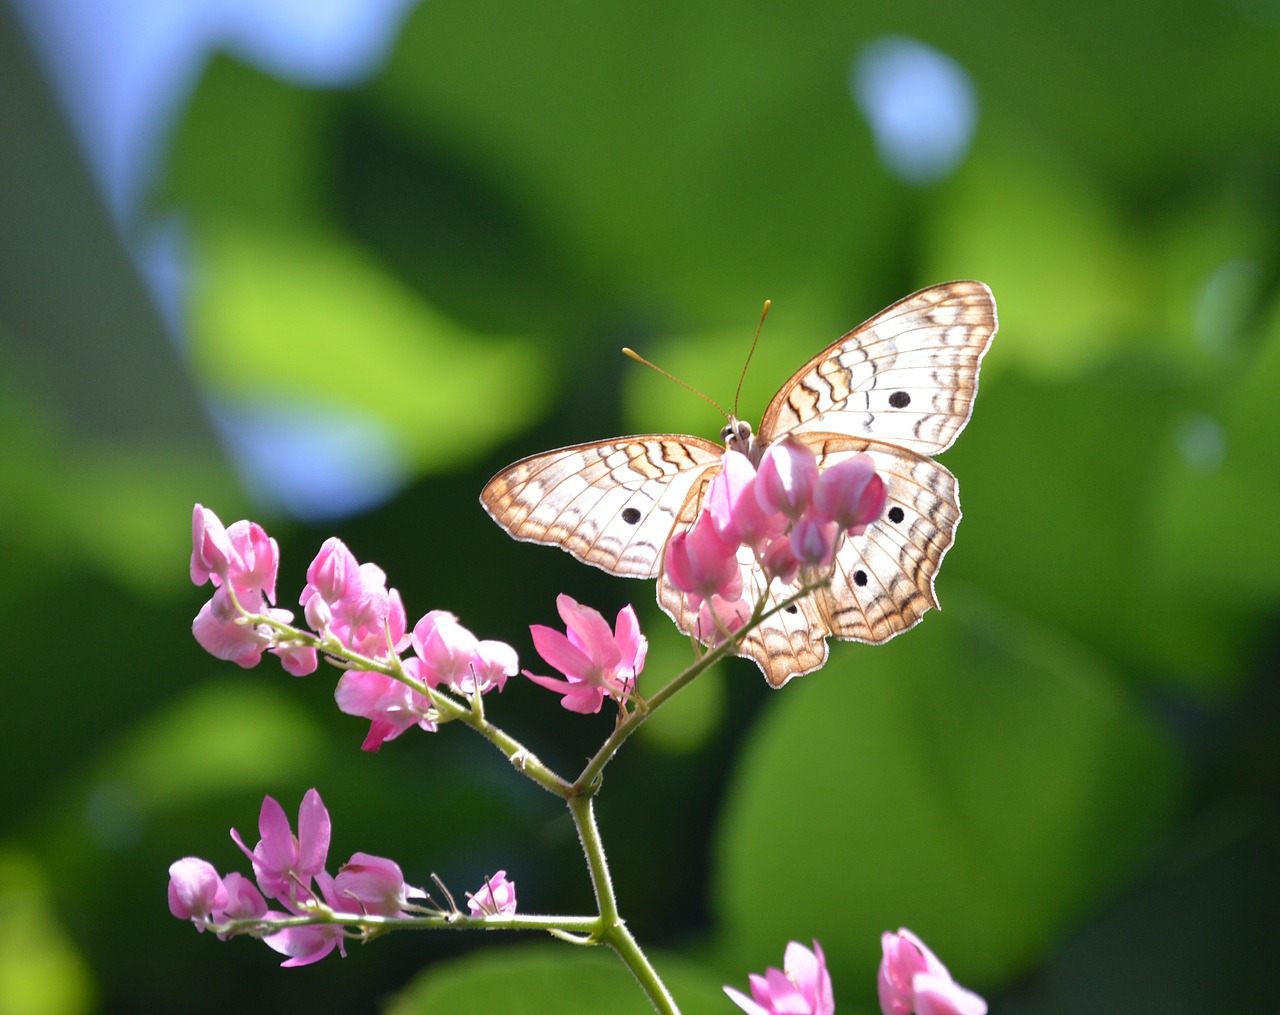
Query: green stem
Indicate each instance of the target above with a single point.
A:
(612, 930)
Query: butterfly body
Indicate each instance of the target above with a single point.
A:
(899, 387)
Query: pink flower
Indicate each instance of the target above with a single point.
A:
(376, 885)
(244, 901)
(718, 618)
(195, 890)
(334, 575)
(813, 542)
(242, 555)
(351, 601)
(780, 562)
(241, 561)
(702, 563)
(297, 660)
(597, 662)
(390, 705)
(803, 989)
(851, 494)
(496, 897)
(786, 478)
(219, 631)
(735, 510)
(912, 979)
(450, 655)
(491, 664)
(284, 864)
(308, 944)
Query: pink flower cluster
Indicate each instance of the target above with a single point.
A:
(348, 604)
(801, 987)
(788, 515)
(289, 869)
(241, 562)
(446, 654)
(912, 979)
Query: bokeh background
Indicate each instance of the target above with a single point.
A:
(330, 265)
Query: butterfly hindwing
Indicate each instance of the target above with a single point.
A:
(609, 503)
(907, 376)
(883, 579)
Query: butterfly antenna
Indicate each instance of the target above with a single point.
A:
(671, 377)
(763, 314)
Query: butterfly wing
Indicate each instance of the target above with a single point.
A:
(609, 503)
(908, 376)
(883, 579)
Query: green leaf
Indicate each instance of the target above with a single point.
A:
(1219, 487)
(534, 979)
(978, 780)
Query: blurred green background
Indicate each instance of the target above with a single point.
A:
(337, 306)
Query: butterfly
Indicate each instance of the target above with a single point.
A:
(899, 387)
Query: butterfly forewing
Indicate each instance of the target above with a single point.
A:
(907, 376)
(610, 503)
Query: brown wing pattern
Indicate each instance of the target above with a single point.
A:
(610, 503)
(907, 376)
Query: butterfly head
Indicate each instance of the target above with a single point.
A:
(737, 436)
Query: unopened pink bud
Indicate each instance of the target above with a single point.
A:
(786, 478)
(195, 890)
(851, 494)
(814, 542)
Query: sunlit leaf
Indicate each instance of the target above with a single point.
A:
(309, 318)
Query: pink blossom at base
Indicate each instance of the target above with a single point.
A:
(801, 987)
(390, 705)
(913, 979)
(597, 663)
(374, 885)
(283, 863)
(496, 897)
